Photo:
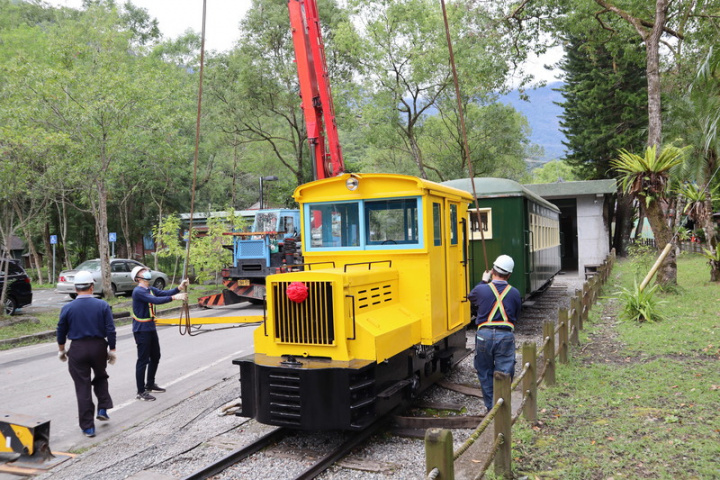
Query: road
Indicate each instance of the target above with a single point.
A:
(35, 383)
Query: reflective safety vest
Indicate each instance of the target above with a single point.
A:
(505, 322)
(152, 314)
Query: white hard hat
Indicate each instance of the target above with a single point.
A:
(136, 270)
(504, 264)
(83, 277)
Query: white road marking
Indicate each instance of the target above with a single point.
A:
(187, 375)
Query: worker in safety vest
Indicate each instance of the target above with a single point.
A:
(498, 308)
(144, 299)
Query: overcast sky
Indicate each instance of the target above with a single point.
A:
(177, 16)
(223, 19)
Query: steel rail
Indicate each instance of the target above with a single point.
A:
(238, 455)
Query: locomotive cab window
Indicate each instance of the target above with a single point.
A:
(371, 224)
(392, 222)
(334, 225)
(485, 218)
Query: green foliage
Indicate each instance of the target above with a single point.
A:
(647, 176)
(605, 98)
(207, 254)
(640, 305)
(554, 171)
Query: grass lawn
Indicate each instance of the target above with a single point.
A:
(636, 401)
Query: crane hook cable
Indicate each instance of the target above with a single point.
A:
(185, 309)
(464, 133)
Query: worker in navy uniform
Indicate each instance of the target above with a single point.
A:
(144, 299)
(88, 322)
(498, 308)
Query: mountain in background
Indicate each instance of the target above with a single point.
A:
(543, 116)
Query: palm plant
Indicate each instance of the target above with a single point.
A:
(697, 117)
(646, 178)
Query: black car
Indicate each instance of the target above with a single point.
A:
(19, 290)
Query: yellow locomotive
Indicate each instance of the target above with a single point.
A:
(376, 314)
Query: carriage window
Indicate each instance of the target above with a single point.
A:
(390, 222)
(334, 225)
(453, 225)
(437, 225)
(486, 217)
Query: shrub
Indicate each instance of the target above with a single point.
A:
(640, 305)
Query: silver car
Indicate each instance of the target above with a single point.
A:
(121, 282)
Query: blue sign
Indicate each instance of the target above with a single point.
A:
(53, 239)
(113, 237)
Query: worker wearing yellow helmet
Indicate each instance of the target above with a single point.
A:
(144, 299)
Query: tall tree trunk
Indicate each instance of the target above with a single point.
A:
(667, 273)
(101, 229)
(49, 258)
(652, 47)
(623, 223)
(37, 264)
(711, 240)
(417, 156)
(63, 221)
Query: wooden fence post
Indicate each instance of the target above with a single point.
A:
(563, 334)
(439, 453)
(503, 425)
(549, 352)
(529, 355)
(583, 306)
(575, 319)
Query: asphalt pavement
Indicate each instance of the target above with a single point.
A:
(36, 384)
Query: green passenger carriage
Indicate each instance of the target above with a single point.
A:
(515, 222)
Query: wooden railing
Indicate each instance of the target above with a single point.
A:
(557, 340)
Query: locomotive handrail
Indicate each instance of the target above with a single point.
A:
(309, 265)
(465, 262)
(353, 315)
(369, 264)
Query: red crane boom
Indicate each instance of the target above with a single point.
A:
(317, 103)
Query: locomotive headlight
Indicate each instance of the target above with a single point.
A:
(352, 183)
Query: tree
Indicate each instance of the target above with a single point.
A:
(646, 178)
(112, 103)
(254, 92)
(695, 118)
(409, 79)
(554, 171)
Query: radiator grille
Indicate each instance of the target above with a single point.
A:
(284, 392)
(308, 322)
(251, 248)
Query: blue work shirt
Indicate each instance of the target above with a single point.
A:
(86, 317)
(144, 300)
(484, 299)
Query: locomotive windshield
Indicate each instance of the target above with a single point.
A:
(365, 224)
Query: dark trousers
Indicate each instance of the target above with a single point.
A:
(86, 355)
(148, 358)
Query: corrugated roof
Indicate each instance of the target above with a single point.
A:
(573, 189)
(492, 187)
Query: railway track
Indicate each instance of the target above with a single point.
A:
(275, 439)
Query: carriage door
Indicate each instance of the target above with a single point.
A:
(456, 280)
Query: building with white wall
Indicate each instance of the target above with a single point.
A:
(585, 226)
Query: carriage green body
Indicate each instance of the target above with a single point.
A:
(513, 212)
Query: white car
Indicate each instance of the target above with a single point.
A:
(121, 282)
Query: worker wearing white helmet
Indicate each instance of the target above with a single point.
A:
(144, 299)
(498, 308)
(88, 322)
